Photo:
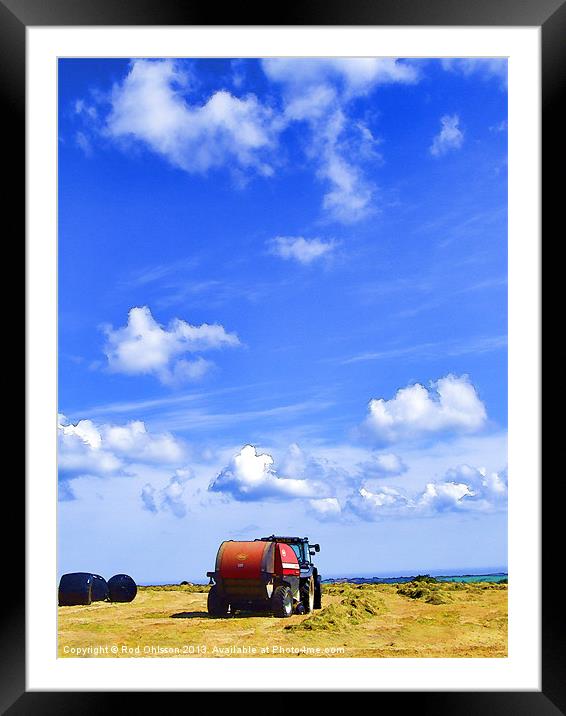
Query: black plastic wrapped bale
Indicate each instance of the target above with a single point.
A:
(99, 588)
(75, 588)
(122, 588)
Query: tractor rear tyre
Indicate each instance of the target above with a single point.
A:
(318, 592)
(282, 602)
(216, 605)
(307, 595)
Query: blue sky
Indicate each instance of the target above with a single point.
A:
(282, 307)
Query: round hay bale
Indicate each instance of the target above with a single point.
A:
(75, 588)
(99, 588)
(122, 588)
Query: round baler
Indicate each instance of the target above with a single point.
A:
(258, 575)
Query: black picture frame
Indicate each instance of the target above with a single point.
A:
(550, 16)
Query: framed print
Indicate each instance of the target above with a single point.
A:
(283, 326)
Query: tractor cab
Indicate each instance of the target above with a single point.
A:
(300, 545)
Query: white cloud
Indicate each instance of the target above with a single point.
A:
(356, 75)
(488, 490)
(85, 430)
(150, 106)
(452, 404)
(450, 136)
(144, 347)
(103, 449)
(133, 441)
(297, 248)
(487, 68)
(443, 496)
(81, 451)
(251, 476)
(463, 489)
(312, 105)
(350, 196)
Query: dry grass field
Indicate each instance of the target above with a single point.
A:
(385, 620)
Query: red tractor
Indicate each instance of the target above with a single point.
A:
(269, 574)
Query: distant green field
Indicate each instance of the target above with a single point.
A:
(371, 620)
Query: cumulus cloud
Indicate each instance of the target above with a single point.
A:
(451, 404)
(443, 496)
(145, 347)
(450, 136)
(80, 451)
(104, 449)
(252, 476)
(486, 490)
(133, 441)
(150, 106)
(462, 489)
(299, 249)
(170, 498)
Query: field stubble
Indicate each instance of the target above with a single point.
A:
(382, 620)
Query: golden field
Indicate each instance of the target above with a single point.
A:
(377, 620)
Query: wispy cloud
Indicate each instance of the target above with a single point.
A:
(443, 298)
(478, 346)
(499, 127)
(202, 419)
(170, 498)
(488, 68)
(136, 406)
(153, 274)
(318, 92)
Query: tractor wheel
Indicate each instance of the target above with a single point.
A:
(307, 595)
(282, 602)
(216, 605)
(318, 592)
